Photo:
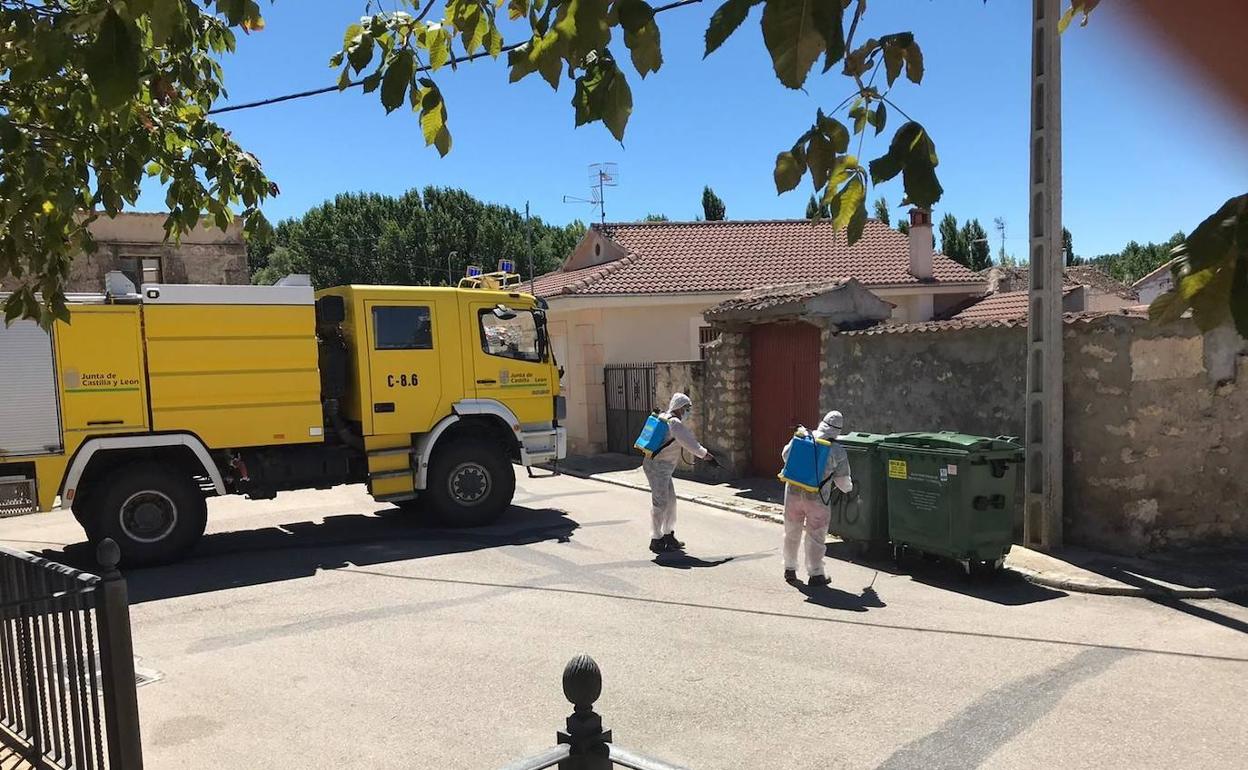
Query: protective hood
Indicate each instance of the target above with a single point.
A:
(830, 426)
(679, 401)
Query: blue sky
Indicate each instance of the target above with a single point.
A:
(1147, 150)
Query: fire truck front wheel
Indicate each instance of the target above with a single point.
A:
(155, 514)
(471, 483)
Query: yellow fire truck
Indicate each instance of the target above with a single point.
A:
(149, 401)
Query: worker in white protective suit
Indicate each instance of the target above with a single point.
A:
(659, 469)
(808, 512)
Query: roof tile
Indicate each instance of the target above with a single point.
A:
(732, 256)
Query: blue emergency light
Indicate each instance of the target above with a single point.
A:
(507, 266)
(473, 271)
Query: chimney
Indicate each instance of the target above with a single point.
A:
(921, 243)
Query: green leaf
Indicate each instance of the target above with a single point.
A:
(165, 19)
(372, 81)
(819, 159)
(846, 201)
(344, 79)
(857, 223)
(881, 116)
(517, 9)
(602, 93)
(789, 170)
(1167, 308)
(894, 57)
(725, 21)
(792, 39)
(113, 60)
(493, 41)
(835, 131)
(859, 114)
(618, 106)
(398, 77)
(352, 34)
(360, 53)
(433, 118)
(641, 35)
(914, 63)
(438, 43)
(828, 20)
(582, 27)
(1067, 17)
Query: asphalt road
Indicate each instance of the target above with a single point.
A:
(324, 630)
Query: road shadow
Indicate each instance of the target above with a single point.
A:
(833, 598)
(681, 560)
(1004, 587)
(299, 549)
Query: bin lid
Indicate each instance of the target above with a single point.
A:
(948, 440)
(860, 440)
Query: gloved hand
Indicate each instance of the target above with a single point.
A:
(710, 458)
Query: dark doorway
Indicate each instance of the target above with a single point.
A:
(630, 397)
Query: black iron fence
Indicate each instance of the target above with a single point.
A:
(67, 687)
(630, 397)
(585, 745)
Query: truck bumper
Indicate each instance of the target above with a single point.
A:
(537, 447)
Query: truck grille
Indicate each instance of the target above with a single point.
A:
(17, 496)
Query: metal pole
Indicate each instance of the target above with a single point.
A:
(1042, 515)
(528, 243)
(450, 278)
(121, 702)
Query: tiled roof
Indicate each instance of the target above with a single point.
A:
(1007, 304)
(771, 296)
(1019, 279)
(1154, 274)
(731, 256)
(956, 324)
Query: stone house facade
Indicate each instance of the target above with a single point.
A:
(134, 243)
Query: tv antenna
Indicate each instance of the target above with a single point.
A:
(999, 223)
(601, 176)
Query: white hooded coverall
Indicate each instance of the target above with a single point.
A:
(660, 467)
(806, 511)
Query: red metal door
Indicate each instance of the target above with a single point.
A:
(784, 388)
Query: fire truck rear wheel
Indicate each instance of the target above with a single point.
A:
(471, 483)
(155, 514)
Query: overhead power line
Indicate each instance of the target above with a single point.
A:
(356, 83)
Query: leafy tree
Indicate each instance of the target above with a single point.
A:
(1137, 260)
(425, 237)
(816, 211)
(712, 205)
(1068, 248)
(975, 239)
(951, 241)
(97, 95)
(903, 227)
(656, 218)
(881, 210)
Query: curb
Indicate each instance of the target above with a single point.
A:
(1030, 575)
(1086, 587)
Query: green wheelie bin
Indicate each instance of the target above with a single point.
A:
(952, 495)
(862, 516)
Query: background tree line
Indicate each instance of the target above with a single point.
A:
(425, 237)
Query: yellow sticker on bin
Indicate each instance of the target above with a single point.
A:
(897, 469)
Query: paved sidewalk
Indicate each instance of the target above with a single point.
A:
(1204, 574)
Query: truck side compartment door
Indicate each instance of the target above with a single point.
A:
(404, 367)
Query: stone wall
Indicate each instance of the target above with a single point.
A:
(969, 380)
(726, 412)
(681, 377)
(1156, 418)
(1156, 432)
